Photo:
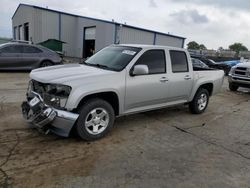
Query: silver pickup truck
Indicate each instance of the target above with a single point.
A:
(239, 76)
(117, 81)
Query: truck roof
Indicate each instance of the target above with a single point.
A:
(146, 46)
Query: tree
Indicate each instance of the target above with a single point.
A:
(237, 47)
(220, 48)
(193, 45)
(202, 47)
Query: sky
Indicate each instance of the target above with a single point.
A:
(214, 23)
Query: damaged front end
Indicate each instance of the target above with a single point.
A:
(44, 108)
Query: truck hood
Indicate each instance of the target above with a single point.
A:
(66, 73)
(246, 65)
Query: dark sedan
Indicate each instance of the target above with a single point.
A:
(199, 64)
(215, 65)
(19, 56)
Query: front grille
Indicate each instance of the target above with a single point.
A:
(242, 68)
(48, 99)
(39, 88)
(242, 71)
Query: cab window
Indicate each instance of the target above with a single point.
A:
(178, 61)
(155, 60)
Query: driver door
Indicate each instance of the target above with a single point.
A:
(146, 91)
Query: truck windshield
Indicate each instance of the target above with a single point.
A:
(113, 58)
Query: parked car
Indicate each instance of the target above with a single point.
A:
(239, 76)
(212, 64)
(199, 64)
(116, 81)
(231, 63)
(21, 56)
(217, 65)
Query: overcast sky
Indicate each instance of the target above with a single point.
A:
(214, 23)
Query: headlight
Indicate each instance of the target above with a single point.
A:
(58, 90)
(232, 70)
(57, 95)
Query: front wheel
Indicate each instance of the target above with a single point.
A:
(233, 87)
(199, 102)
(46, 64)
(96, 119)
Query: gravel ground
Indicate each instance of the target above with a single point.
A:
(163, 148)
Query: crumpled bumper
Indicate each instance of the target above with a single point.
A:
(48, 119)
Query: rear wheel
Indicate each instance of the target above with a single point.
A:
(46, 64)
(199, 102)
(233, 87)
(96, 119)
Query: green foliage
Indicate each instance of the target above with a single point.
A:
(237, 47)
(195, 46)
(203, 47)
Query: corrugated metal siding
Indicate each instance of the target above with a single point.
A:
(22, 16)
(104, 34)
(134, 36)
(68, 34)
(168, 41)
(46, 25)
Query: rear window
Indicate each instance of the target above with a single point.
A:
(179, 61)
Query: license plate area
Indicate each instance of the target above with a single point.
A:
(33, 102)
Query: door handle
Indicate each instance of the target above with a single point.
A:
(187, 77)
(163, 79)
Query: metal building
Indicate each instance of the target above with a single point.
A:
(82, 35)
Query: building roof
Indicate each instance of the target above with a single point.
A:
(54, 40)
(105, 21)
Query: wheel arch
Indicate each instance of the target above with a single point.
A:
(208, 86)
(110, 96)
(44, 60)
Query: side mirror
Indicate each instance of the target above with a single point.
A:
(139, 70)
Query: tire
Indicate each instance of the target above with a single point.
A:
(46, 64)
(233, 87)
(199, 102)
(96, 119)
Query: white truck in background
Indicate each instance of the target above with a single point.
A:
(239, 76)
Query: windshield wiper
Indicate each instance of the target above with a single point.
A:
(84, 62)
(99, 66)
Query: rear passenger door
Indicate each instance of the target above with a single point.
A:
(143, 91)
(181, 78)
(11, 57)
(32, 56)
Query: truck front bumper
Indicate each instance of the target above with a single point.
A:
(46, 118)
(239, 81)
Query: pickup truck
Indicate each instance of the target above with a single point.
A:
(116, 81)
(239, 76)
